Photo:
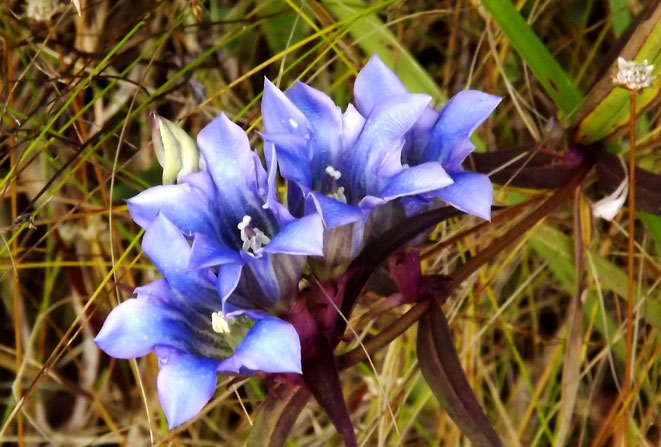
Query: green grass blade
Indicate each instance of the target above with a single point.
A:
(531, 49)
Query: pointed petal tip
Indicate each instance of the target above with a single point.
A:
(185, 385)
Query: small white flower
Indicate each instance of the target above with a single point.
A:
(633, 75)
(608, 207)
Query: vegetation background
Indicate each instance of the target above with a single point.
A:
(77, 88)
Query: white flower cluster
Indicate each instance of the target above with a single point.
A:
(633, 75)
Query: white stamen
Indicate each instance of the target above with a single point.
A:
(253, 238)
(405, 166)
(293, 123)
(219, 324)
(633, 75)
(339, 195)
(334, 173)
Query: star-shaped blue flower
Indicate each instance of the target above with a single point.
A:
(344, 165)
(178, 317)
(442, 136)
(231, 211)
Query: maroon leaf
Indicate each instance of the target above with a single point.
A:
(378, 251)
(534, 168)
(322, 378)
(277, 415)
(442, 370)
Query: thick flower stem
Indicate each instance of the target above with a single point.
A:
(416, 312)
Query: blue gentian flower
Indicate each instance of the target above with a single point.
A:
(442, 136)
(238, 226)
(178, 317)
(344, 165)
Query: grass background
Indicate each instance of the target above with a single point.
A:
(75, 143)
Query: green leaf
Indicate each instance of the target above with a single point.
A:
(543, 65)
(277, 414)
(440, 366)
(279, 28)
(620, 15)
(606, 109)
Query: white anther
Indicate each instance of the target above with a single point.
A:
(293, 123)
(253, 238)
(334, 173)
(219, 324)
(633, 75)
(245, 222)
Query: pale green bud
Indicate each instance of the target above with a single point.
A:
(175, 151)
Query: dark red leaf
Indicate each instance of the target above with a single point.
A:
(442, 370)
(322, 378)
(378, 251)
(534, 168)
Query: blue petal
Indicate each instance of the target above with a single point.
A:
(449, 141)
(228, 279)
(291, 154)
(416, 180)
(368, 203)
(208, 252)
(232, 166)
(418, 136)
(335, 213)
(271, 345)
(352, 125)
(374, 83)
(168, 249)
(280, 212)
(279, 113)
(261, 284)
(377, 153)
(134, 327)
(470, 192)
(185, 384)
(325, 123)
(304, 236)
(295, 200)
(183, 204)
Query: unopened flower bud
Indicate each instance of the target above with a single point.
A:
(176, 152)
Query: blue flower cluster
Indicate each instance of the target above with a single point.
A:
(232, 255)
